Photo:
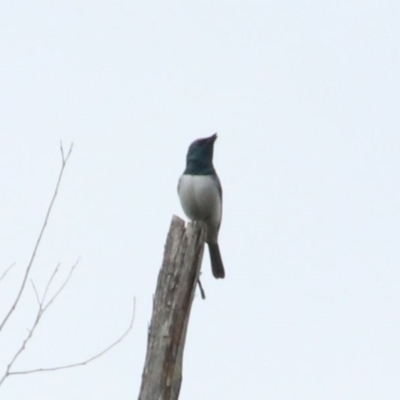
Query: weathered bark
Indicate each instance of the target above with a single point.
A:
(176, 285)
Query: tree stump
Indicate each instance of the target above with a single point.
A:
(176, 286)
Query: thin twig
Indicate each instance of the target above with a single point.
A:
(61, 288)
(3, 275)
(22, 348)
(88, 360)
(202, 292)
(50, 281)
(62, 151)
(36, 292)
(39, 239)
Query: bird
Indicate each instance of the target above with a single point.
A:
(200, 194)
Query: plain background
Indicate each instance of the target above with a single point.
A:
(305, 98)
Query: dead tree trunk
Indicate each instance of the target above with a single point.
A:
(176, 285)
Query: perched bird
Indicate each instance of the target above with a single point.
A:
(200, 193)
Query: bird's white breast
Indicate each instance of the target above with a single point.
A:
(200, 198)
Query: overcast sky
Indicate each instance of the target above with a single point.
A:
(305, 99)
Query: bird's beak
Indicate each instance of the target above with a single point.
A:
(213, 138)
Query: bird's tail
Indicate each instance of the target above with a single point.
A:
(216, 261)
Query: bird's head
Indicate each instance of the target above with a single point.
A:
(199, 158)
(202, 148)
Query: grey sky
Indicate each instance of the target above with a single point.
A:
(305, 98)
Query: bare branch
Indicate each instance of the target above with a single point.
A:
(43, 302)
(39, 239)
(3, 275)
(84, 362)
(40, 312)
